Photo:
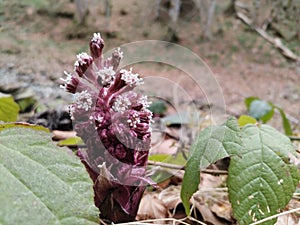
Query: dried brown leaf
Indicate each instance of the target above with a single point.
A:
(289, 219)
(170, 197)
(62, 135)
(207, 214)
(151, 207)
(211, 181)
(222, 210)
(166, 146)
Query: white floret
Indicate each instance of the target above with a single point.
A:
(134, 120)
(144, 101)
(119, 52)
(107, 75)
(132, 79)
(66, 80)
(121, 104)
(81, 58)
(97, 37)
(83, 100)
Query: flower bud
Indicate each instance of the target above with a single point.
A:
(83, 62)
(96, 46)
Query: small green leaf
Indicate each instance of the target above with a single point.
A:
(72, 141)
(41, 183)
(244, 120)
(249, 100)
(158, 107)
(159, 157)
(285, 122)
(261, 110)
(261, 180)
(25, 100)
(176, 119)
(212, 144)
(177, 159)
(9, 109)
(26, 104)
(162, 175)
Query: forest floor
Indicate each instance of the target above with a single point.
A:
(39, 40)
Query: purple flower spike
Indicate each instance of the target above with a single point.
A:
(114, 123)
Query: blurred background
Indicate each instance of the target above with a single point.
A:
(251, 46)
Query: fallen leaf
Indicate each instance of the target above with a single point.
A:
(207, 214)
(166, 146)
(62, 135)
(210, 181)
(152, 208)
(165, 183)
(170, 197)
(222, 210)
(289, 219)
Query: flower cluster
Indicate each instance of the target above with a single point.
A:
(114, 123)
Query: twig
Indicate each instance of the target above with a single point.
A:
(275, 216)
(210, 18)
(197, 221)
(242, 6)
(274, 41)
(166, 165)
(294, 138)
(178, 167)
(148, 222)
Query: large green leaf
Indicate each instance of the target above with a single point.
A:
(8, 108)
(261, 181)
(212, 144)
(41, 183)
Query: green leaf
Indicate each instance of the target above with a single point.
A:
(177, 159)
(249, 100)
(176, 119)
(285, 122)
(261, 181)
(26, 104)
(9, 109)
(244, 120)
(212, 144)
(4, 126)
(162, 174)
(159, 157)
(25, 100)
(261, 110)
(41, 183)
(72, 141)
(158, 107)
